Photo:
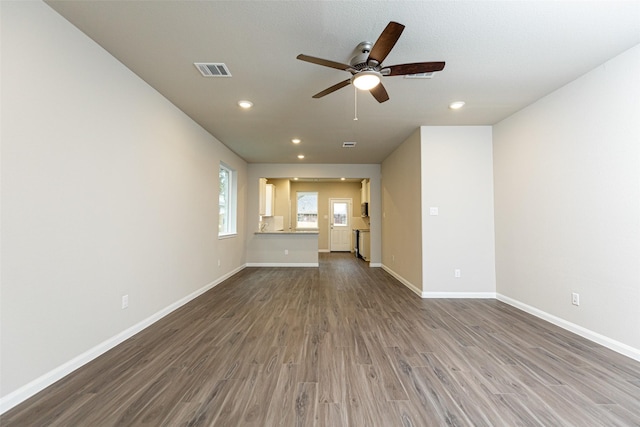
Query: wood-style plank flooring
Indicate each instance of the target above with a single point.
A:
(342, 345)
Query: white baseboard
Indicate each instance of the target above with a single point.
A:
(476, 295)
(26, 391)
(402, 280)
(375, 264)
(611, 344)
(324, 250)
(425, 295)
(21, 394)
(283, 264)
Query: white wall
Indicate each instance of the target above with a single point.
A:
(457, 178)
(107, 190)
(567, 201)
(255, 251)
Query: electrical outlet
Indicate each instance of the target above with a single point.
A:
(433, 211)
(125, 301)
(286, 251)
(218, 263)
(575, 298)
(456, 272)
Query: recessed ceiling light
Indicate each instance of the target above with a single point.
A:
(245, 104)
(295, 179)
(301, 156)
(296, 140)
(342, 179)
(456, 105)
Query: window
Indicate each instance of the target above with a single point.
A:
(340, 210)
(227, 201)
(307, 209)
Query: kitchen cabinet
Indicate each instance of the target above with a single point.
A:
(267, 196)
(364, 244)
(270, 200)
(365, 191)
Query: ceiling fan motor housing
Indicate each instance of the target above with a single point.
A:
(359, 61)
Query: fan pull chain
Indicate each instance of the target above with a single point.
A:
(355, 103)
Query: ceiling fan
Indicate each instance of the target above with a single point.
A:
(366, 67)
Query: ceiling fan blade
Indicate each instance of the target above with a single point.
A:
(385, 42)
(379, 93)
(333, 88)
(325, 62)
(415, 68)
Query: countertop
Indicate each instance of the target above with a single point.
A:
(286, 232)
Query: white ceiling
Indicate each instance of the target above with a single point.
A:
(500, 56)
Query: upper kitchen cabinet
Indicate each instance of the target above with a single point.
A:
(267, 198)
(365, 192)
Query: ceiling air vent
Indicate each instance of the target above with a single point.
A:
(348, 144)
(212, 69)
(419, 76)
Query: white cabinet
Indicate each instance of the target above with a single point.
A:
(364, 248)
(267, 202)
(365, 191)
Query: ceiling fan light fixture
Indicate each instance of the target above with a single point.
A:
(366, 80)
(245, 104)
(456, 105)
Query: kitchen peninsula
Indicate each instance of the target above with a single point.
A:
(283, 249)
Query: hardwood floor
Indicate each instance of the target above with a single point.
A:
(342, 345)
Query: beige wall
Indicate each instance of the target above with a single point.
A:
(107, 190)
(401, 213)
(325, 191)
(567, 186)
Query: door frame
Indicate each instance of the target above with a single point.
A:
(349, 201)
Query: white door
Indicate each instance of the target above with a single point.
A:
(340, 225)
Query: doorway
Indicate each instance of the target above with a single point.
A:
(340, 225)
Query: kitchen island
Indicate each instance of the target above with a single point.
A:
(283, 249)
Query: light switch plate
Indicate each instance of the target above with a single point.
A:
(433, 211)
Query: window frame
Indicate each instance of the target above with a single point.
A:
(229, 195)
(298, 193)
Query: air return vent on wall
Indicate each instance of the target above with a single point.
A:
(213, 69)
